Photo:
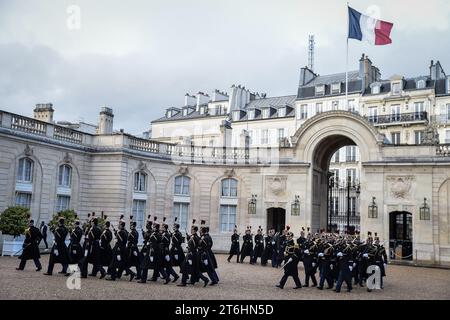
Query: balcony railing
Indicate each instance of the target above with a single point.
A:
(443, 150)
(441, 119)
(67, 134)
(398, 118)
(28, 125)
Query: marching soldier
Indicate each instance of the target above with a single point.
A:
(31, 247)
(105, 246)
(59, 252)
(291, 259)
(133, 259)
(120, 254)
(176, 250)
(208, 260)
(380, 258)
(191, 264)
(325, 255)
(93, 254)
(234, 249)
(247, 245)
(345, 262)
(156, 255)
(259, 246)
(145, 251)
(310, 263)
(301, 240)
(268, 248)
(75, 250)
(165, 245)
(280, 246)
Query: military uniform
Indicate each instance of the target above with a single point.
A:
(208, 262)
(234, 249)
(120, 254)
(345, 262)
(291, 260)
(310, 263)
(105, 247)
(247, 245)
(268, 249)
(325, 265)
(165, 248)
(133, 254)
(75, 249)
(31, 247)
(259, 247)
(59, 253)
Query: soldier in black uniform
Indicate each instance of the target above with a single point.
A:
(105, 246)
(380, 258)
(134, 257)
(310, 262)
(145, 251)
(275, 241)
(234, 249)
(59, 252)
(75, 250)
(301, 240)
(268, 248)
(191, 264)
(156, 255)
(345, 262)
(176, 250)
(259, 246)
(165, 248)
(291, 258)
(31, 247)
(93, 254)
(280, 245)
(208, 260)
(120, 254)
(247, 245)
(324, 259)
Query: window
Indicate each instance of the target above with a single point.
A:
(447, 136)
(23, 199)
(281, 134)
(336, 157)
(396, 88)
(352, 202)
(251, 114)
(319, 107)
(250, 137)
(336, 88)
(236, 115)
(351, 105)
(376, 89)
(351, 174)
(335, 175)
(266, 113)
(264, 136)
(335, 105)
(350, 153)
(395, 113)
(25, 170)
(181, 211)
(227, 218)
(62, 203)
(140, 182)
(139, 213)
(320, 90)
(282, 112)
(169, 113)
(418, 110)
(418, 135)
(185, 112)
(420, 84)
(395, 137)
(182, 185)
(334, 206)
(202, 110)
(373, 114)
(448, 111)
(229, 188)
(303, 111)
(64, 176)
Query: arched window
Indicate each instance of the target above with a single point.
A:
(182, 185)
(25, 170)
(140, 182)
(65, 175)
(229, 188)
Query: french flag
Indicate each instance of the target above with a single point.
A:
(362, 27)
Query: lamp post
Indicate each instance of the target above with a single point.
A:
(373, 209)
(425, 210)
(295, 206)
(252, 205)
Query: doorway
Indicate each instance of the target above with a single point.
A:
(276, 219)
(400, 235)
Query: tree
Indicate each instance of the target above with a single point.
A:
(14, 221)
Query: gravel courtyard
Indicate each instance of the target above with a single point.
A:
(238, 281)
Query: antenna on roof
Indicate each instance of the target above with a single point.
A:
(311, 44)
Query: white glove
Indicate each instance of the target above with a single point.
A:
(119, 257)
(385, 265)
(205, 262)
(365, 255)
(74, 251)
(151, 258)
(306, 251)
(331, 267)
(339, 254)
(313, 264)
(190, 262)
(56, 252)
(290, 259)
(351, 268)
(167, 258)
(176, 257)
(273, 242)
(135, 253)
(85, 253)
(354, 264)
(320, 254)
(148, 243)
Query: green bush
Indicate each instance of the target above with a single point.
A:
(70, 216)
(14, 221)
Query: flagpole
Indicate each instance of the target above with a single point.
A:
(346, 63)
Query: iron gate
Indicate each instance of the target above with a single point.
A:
(343, 209)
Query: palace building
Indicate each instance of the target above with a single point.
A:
(376, 158)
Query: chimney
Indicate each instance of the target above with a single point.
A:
(306, 75)
(190, 100)
(366, 72)
(44, 112)
(436, 71)
(202, 98)
(105, 124)
(219, 96)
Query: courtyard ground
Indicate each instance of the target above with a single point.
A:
(238, 281)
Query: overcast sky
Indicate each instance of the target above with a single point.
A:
(140, 57)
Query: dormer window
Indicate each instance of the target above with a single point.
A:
(266, 113)
(251, 114)
(421, 84)
(185, 112)
(282, 112)
(236, 115)
(396, 88)
(376, 89)
(320, 90)
(336, 88)
(169, 114)
(448, 85)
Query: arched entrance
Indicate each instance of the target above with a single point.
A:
(400, 235)
(315, 142)
(276, 219)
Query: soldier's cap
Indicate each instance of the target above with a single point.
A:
(122, 223)
(89, 215)
(193, 222)
(288, 227)
(77, 222)
(61, 220)
(107, 223)
(93, 213)
(164, 219)
(95, 220)
(131, 218)
(155, 218)
(121, 217)
(31, 221)
(133, 223)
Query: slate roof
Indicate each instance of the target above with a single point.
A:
(271, 102)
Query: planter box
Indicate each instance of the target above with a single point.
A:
(11, 246)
